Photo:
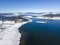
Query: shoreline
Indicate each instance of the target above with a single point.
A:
(11, 36)
(54, 18)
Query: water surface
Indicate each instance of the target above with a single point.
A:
(41, 33)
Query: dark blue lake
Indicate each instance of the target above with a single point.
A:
(41, 33)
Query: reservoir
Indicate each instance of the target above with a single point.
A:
(38, 33)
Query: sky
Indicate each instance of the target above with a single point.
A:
(29, 5)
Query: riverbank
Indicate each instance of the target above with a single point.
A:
(11, 36)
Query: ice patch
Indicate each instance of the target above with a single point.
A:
(40, 22)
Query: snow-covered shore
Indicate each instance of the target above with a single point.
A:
(54, 18)
(11, 36)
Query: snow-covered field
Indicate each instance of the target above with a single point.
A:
(6, 24)
(10, 35)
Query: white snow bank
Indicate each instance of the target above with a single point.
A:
(11, 36)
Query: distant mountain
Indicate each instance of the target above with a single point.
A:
(30, 13)
(6, 13)
(52, 15)
(9, 16)
(14, 16)
(48, 14)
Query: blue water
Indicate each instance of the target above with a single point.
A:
(42, 33)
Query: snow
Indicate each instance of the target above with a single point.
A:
(6, 24)
(10, 35)
(0, 22)
(54, 18)
(9, 22)
(27, 16)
